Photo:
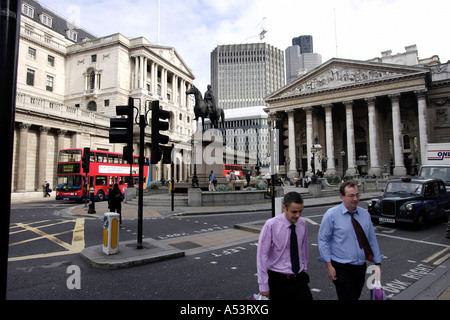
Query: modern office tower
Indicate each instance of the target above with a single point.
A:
(305, 43)
(243, 74)
(300, 58)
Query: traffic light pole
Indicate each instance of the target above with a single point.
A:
(9, 46)
(142, 125)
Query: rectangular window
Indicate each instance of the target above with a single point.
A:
(30, 77)
(32, 53)
(51, 61)
(49, 83)
(48, 21)
(72, 35)
(28, 10)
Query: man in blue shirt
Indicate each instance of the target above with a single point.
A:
(339, 248)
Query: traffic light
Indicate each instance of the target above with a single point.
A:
(85, 160)
(167, 154)
(157, 126)
(121, 129)
(281, 138)
(128, 154)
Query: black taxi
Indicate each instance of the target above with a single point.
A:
(411, 199)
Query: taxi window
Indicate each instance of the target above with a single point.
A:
(441, 186)
(430, 189)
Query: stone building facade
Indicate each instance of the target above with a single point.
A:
(363, 117)
(68, 84)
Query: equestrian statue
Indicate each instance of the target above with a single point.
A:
(206, 108)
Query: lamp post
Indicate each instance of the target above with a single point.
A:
(315, 149)
(343, 163)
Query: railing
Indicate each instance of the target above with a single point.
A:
(27, 102)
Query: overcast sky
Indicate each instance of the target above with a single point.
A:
(194, 28)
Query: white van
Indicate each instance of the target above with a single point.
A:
(437, 163)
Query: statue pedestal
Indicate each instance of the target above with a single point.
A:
(315, 189)
(207, 155)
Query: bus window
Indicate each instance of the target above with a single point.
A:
(70, 156)
(92, 157)
(100, 180)
(113, 158)
(101, 157)
(121, 159)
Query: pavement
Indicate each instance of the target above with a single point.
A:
(434, 286)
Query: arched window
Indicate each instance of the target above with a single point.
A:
(92, 106)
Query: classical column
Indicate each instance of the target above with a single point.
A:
(153, 78)
(42, 164)
(374, 169)
(136, 72)
(60, 143)
(309, 137)
(175, 89)
(141, 72)
(399, 169)
(292, 154)
(164, 83)
(329, 139)
(422, 113)
(350, 139)
(22, 158)
(144, 85)
(183, 93)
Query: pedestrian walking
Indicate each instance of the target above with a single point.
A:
(282, 255)
(212, 181)
(233, 179)
(115, 199)
(346, 240)
(47, 189)
(247, 177)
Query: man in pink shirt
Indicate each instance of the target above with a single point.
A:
(282, 256)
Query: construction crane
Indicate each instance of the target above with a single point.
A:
(262, 33)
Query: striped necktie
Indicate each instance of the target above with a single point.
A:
(362, 239)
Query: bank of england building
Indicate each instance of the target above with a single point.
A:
(69, 82)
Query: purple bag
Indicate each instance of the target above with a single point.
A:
(377, 293)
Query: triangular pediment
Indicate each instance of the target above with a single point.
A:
(340, 73)
(171, 55)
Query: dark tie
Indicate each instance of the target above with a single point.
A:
(294, 250)
(362, 239)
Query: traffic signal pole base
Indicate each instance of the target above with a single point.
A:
(92, 202)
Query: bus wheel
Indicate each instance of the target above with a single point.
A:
(100, 195)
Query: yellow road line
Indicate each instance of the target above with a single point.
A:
(437, 254)
(76, 246)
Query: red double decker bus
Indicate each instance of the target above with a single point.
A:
(105, 169)
(236, 167)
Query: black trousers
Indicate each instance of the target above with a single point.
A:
(284, 287)
(350, 280)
